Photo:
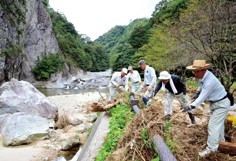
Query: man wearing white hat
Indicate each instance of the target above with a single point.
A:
(149, 80)
(135, 78)
(212, 90)
(175, 88)
(117, 82)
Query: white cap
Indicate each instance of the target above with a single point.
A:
(164, 75)
(125, 70)
(130, 68)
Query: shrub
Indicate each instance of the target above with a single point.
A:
(49, 64)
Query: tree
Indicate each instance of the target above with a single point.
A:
(208, 28)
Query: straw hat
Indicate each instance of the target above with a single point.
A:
(198, 64)
(164, 75)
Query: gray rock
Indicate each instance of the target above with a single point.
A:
(20, 129)
(77, 129)
(80, 80)
(64, 141)
(91, 117)
(3, 118)
(21, 96)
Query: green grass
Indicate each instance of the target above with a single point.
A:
(121, 115)
(233, 86)
(191, 84)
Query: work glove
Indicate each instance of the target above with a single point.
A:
(187, 108)
(149, 103)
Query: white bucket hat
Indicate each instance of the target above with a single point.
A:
(125, 70)
(164, 75)
(130, 68)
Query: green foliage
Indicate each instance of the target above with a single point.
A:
(118, 42)
(139, 36)
(76, 50)
(168, 9)
(11, 50)
(169, 142)
(48, 65)
(156, 159)
(121, 115)
(14, 11)
(46, 3)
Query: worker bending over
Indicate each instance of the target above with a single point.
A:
(117, 83)
(174, 88)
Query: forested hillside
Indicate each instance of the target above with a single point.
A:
(120, 41)
(77, 50)
(178, 32)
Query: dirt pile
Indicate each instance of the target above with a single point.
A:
(184, 140)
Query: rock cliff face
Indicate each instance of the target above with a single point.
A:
(25, 36)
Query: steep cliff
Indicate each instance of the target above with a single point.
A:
(25, 36)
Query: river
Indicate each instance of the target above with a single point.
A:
(63, 91)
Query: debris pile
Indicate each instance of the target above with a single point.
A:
(185, 141)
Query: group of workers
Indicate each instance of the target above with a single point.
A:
(210, 89)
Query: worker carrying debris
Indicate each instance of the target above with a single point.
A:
(149, 80)
(174, 88)
(135, 78)
(213, 91)
(117, 83)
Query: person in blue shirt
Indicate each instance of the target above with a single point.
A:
(149, 82)
(210, 89)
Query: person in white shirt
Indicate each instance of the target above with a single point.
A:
(150, 79)
(135, 79)
(117, 82)
(212, 90)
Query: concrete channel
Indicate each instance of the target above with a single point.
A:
(95, 140)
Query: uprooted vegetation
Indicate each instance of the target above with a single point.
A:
(183, 139)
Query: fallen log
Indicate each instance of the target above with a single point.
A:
(227, 148)
(99, 107)
(163, 151)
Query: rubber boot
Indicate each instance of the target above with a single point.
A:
(167, 118)
(192, 118)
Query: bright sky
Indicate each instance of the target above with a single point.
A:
(95, 17)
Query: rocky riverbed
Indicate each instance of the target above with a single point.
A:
(65, 137)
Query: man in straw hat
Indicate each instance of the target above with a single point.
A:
(213, 91)
(175, 88)
(135, 78)
(117, 83)
(149, 80)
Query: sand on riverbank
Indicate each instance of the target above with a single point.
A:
(37, 151)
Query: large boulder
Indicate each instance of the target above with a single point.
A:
(20, 129)
(21, 96)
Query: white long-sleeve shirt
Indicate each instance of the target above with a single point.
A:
(150, 77)
(116, 80)
(211, 89)
(135, 77)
